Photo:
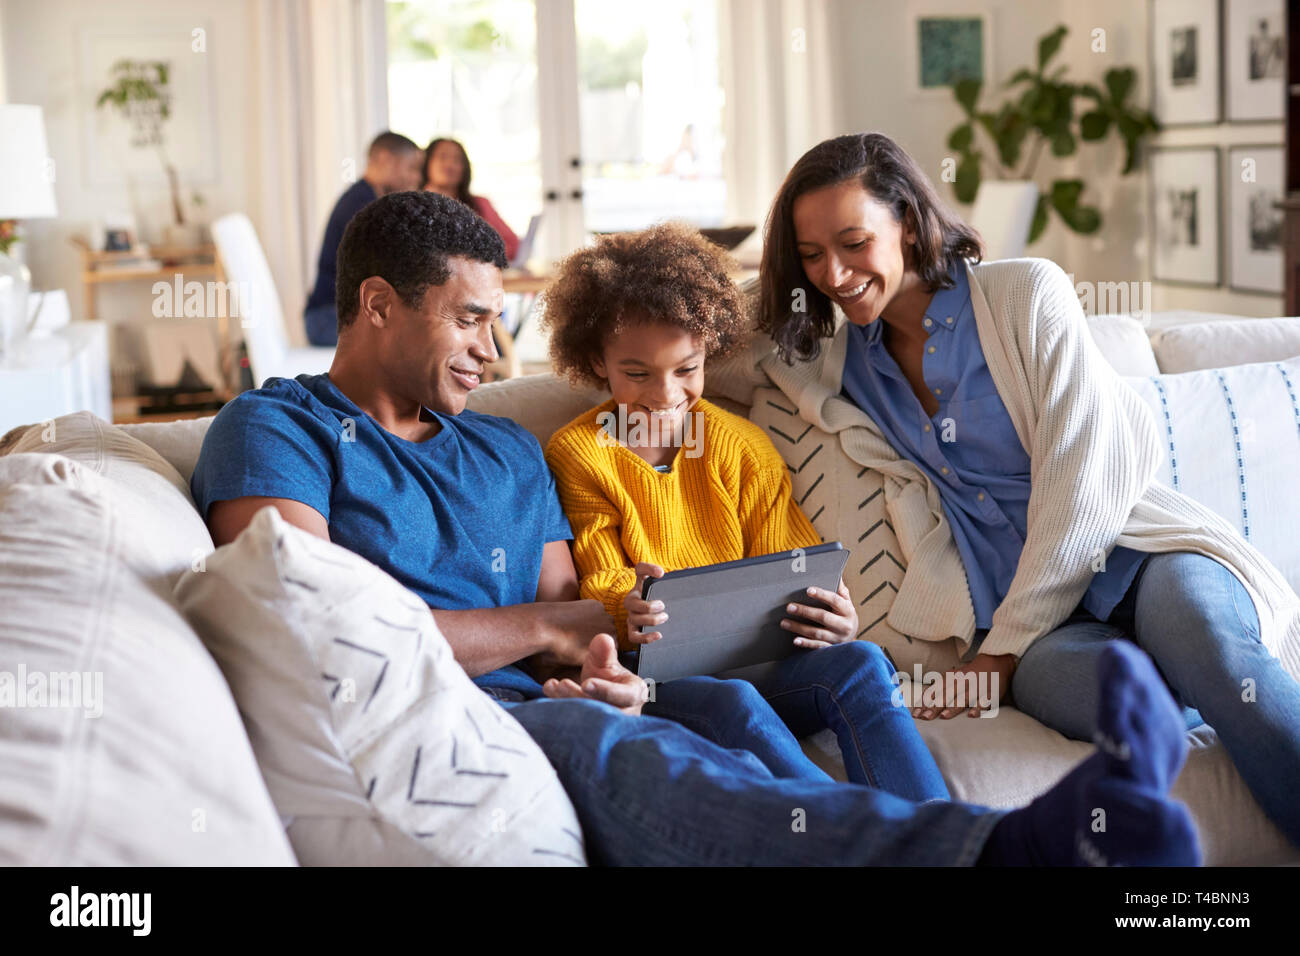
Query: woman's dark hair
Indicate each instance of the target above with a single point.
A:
(462, 188)
(891, 176)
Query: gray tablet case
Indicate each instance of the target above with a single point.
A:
(727, 616)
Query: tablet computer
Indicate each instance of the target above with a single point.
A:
(726, 616)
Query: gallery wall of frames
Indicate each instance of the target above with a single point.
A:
(1218, 213)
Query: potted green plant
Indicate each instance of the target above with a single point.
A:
(141, 93)
(1045, 111)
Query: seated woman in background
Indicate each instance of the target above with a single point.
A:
(447, 171)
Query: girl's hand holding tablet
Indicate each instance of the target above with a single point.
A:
(835, 625)
(641, 612)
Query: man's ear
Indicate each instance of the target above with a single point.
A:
(377, 299)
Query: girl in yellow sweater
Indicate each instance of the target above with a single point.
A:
(658, 477)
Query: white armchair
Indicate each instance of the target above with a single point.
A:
(260, 315)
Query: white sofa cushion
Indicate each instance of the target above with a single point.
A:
(149, 494)
(165, 775)
(846, 503)
(179, 442)
(1202, 345)
(375, 744)
(1007, 760)
(1231, 438)
(1123, 341)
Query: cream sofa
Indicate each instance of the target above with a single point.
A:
(171, 758)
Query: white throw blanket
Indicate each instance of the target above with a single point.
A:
(1094, 455)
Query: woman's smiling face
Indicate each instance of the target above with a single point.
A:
(853, 249)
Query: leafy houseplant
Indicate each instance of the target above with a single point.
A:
(1044, 113)
(140, 92)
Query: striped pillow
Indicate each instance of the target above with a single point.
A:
(846, 503)
(1231, 438)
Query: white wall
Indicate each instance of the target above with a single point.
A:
(41, 61)
(3, 95)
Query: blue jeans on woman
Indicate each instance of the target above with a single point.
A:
(846, 687)
(1197, 622)
(649, 792)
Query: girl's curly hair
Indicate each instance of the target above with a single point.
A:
(668, 273)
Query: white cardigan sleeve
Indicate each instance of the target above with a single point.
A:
(1093, 452)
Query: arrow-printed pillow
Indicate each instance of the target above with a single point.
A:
(846, 503)
(376, 747)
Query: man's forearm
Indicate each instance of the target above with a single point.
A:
(484, 639)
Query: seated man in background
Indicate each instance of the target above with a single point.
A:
(381, 456)
(393, 164)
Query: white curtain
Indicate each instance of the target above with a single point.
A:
(780, 100)
(321, 75)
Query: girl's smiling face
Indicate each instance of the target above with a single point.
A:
(655, 369)
(853, 249)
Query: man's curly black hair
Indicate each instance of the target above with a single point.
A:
(406, 239)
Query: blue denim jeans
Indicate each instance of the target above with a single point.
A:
(847, 688)
(650, 792)
(1198, 624)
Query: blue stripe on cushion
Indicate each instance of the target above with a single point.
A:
(1241, 461)
(1169, 428)
(1290, 390)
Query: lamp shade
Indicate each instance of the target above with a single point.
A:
(26, 177)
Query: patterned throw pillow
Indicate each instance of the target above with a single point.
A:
(846, 503)
(376, 747)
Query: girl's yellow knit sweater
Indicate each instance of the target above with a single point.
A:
(731, 501)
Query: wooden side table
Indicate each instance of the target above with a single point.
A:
(199, 263)
(98, 268)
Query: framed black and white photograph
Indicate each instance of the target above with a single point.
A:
(1254, 60)
(1254, 221)
(1185, 65)
(1185, 215)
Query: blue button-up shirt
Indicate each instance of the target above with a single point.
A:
(968, 448)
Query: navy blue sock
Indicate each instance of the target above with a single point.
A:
(1114, 809)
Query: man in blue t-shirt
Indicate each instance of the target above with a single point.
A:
(393, 163)
(381, 457)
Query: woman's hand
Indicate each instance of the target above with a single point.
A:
(991, 673)
(639, 612)
(833, 626)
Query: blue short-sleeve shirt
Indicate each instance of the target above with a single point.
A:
(968, 448)
(460, 519)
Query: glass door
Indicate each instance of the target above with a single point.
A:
(468, 70)
(650, 102)
(599, 116)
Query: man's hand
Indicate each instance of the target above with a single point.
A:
(641, 612)
(603, 678)
(568, 627)
(998, 670)
(833, 626)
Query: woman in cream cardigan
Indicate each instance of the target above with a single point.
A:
(1019, 467)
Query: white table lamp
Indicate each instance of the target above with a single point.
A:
(26, 192)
